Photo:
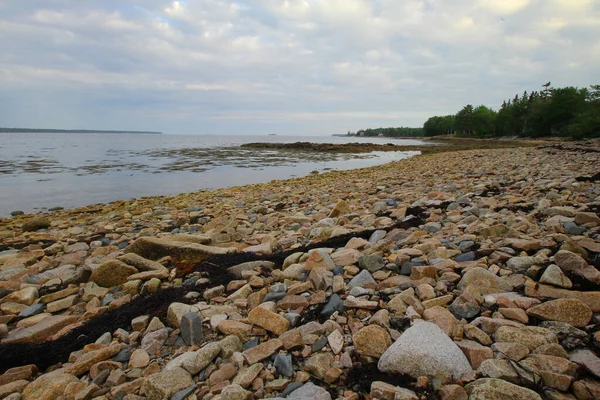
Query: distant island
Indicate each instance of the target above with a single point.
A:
(28, 130)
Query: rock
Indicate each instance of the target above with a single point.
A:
(334, 304)
(318, 364)
(485, 281)
(87, 360)
(372, 341)
(26, 296)
(465, 306)
(309, 391)
(442, 318)
(341, 207)
(112, 273)
(139, 359)
(520, 264)
(587, 218)
(319, 259)
(225, 372)
(153, 341)
(382, 390)
(176, 311)
(35, 224)
(191, 329)
(554, 276)
(41, 331)
(140, 263)
(235, 392)
(49, 386)
(195, 361)
(283, 365)
(586, 359)
(238, 269)
(246, 376)
(530, 336)
(424, 349)
(262, 351)
(575, 264)
(592, 299)
(371, 262)
(230, 345)
(336, 341)
(498, 389)
(268, 320)
(475, 352)
(154, 249)
(363, 279)
(571, 311)
(162, 385)
(345, 257)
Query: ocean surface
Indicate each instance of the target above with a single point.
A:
(43, 171)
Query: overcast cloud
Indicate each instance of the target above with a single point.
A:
(286, 67)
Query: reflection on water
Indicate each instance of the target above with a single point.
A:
(68, 170)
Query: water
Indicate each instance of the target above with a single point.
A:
(40, 171)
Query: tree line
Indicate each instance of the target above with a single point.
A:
(565, 112)
(389, 132)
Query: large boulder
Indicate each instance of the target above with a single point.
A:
(424, 349)
(112, 273)
(36, 223)
(153, 249)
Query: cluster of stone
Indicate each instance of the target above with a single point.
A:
(494, 294)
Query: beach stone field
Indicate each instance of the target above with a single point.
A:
(468, 274)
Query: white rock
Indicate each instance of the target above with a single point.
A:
(424, 349)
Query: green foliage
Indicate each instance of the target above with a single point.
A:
(390, 132)
(439, 126)
(567, 111)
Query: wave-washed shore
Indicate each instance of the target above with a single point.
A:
(465, 274)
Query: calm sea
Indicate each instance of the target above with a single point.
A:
(42, 171)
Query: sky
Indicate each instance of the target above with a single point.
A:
(302, 67)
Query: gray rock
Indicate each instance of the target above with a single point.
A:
(424, 349)
(520, 264)
(309, 391)
(335, 303)
(153, 341)
(468, 256)
(123, 356)
(319, 344)
(294, 318)
(377, 236)
(290, 388)
(183, 393)
(191, 329)
(32, 310)
(586, 359)
(363, 279)
(371, 262)
(283, 365)
(568, 336)
(106, 338)
(274, 296)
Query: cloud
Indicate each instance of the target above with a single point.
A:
(282, 66)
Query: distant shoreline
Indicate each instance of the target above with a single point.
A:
(28, 130)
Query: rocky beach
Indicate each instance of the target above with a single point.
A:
(465, 274)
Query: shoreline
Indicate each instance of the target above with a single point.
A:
(430, 224)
